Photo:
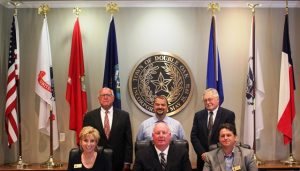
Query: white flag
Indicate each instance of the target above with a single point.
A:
(44, 88)
(250, 99)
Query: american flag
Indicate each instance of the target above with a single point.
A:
(11, 118)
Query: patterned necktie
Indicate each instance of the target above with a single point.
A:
(163, 161)
(106, 124)
(210, 125)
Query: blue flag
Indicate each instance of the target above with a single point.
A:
(214, 75)
(111, 77)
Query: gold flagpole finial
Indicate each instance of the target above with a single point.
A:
(77, 11)
(287, 6)
(112, 7)
(253, 6)
(43, 9)
(213, 7)
(15, 4)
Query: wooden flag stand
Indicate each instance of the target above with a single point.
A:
(291, 159)
(50, 163)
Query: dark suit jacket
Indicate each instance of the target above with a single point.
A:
(148, 160)
(199, 133)
(120, 139)
(243, 159)
(102, 162)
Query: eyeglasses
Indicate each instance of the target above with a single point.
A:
(106, 95)
(208, 99)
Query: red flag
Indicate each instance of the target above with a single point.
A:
(286, 106)
(76, 95)
(11, 115)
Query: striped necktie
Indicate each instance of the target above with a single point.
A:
(210, 125)
(163, 161)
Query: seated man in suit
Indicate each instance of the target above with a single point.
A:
(229, 157)
(162, 154)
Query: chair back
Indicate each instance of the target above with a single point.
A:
(139, 145)
(183, 143)
(143, 144)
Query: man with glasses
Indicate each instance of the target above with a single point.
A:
(206, 124)
(114, 127)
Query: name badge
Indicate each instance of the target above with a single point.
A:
(236, 168)
(76, 166)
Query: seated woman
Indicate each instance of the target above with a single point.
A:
(88, 157)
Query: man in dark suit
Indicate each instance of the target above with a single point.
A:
(115, 129)
(229, 156)
(162, 155)
(206, 124)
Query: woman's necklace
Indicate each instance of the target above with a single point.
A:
(88, 160)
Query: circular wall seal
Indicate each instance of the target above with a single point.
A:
(161, 74)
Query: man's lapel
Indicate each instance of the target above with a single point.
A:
(114, 123)
(217, 121)
(221, 159)
(204, 122)
(237, 157)
(157, 165)
(98, 118)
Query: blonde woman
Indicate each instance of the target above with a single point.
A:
(88, 157)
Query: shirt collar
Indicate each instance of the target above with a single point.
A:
(110, 110)
(230, 155)
(165, 151)
(164, 120)
(214, 111)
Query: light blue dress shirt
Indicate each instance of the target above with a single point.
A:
(146, 128)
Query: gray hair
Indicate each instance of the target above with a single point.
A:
(112, 92)
(213, 91)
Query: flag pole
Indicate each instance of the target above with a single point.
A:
(214, 7)
(252, 7)
(76, 90)
(111, 76)
(20, 164)
(213, 74)
(291, 159)
(50, 163)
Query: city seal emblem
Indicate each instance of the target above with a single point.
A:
(161, 74)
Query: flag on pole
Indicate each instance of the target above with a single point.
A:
(214, 74)
(286, 106)
(11, 115)
(251, 98)
(111, 77)
(44, 86)
(76, 94)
